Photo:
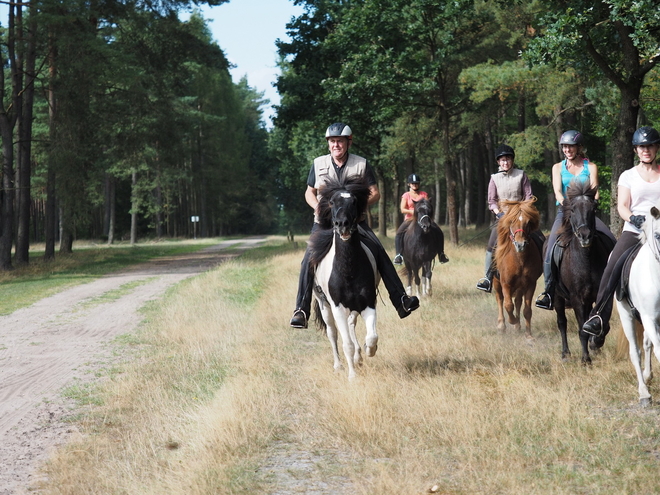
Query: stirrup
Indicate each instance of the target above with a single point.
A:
(398, 259)
(485, 284)
(296, 321)
(586, 328)
(542, 303)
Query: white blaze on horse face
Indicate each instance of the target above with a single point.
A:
(345, 195)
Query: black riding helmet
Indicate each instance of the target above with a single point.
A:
(414, 179)
(504, 150)
(644, 136)
(338, 130)
(571, 137)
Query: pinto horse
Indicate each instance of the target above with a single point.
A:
(642, 303)
(346, 278)
(423, 240)
(585, 254)
(518, 262)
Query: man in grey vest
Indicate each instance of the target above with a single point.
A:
(508, 184)
(337, 165)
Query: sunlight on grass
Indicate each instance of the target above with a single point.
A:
(25, 285)
(222, 396)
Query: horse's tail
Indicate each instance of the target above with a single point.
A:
(318, 317)
(622, 350)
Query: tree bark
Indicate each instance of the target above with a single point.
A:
(134, 207)
(25, 147)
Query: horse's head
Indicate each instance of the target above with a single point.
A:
(342, 205)
(423, 214)
(651, 231)
(520, 219)
(345, 215)
(580, 212)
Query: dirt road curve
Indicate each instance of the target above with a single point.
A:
(58, 341)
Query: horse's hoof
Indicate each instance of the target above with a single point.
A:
(371, 350)
(645, 402)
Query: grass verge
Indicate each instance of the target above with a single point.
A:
(26, 284)
(223, 397)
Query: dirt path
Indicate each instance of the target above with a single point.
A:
(59, 342)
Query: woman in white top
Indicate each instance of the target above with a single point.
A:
(638, 190)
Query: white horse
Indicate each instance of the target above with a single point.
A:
(346, 278)
(644, 294)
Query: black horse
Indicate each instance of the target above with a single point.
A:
(423, 240)
(346, 278)
(585, 254)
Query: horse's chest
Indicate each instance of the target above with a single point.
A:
(351, 282)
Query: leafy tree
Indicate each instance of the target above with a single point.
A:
(616, 38)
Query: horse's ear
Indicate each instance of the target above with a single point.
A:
(655, 212)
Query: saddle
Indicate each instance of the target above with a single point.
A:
(622, 269)
(557, 256)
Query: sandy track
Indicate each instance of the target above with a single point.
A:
(59, 341)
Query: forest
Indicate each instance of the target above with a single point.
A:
(120, 121)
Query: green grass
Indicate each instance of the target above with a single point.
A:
(23, 286)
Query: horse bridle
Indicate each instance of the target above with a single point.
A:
(419, 220)
(335, 211)
(576, 229)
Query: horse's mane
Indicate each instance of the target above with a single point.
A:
(512, 210)
(355, 185)
(575, 189)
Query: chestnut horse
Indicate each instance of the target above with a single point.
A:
(518, 262)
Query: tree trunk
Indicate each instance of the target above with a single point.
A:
(382, 209)
(622, 158)
(452, 212)
(134, 207)
(25, 147)
(112, 209)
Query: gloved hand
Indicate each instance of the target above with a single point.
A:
(499, 215)
(637, 220)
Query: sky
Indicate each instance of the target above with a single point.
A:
(246, 31)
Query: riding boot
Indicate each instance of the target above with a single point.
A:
(403, 303)
(544, 301)
(304, 297)
(486, 283)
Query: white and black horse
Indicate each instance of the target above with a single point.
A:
(642, 303)
(423, 240)
(346, 278)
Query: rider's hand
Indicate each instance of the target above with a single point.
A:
(637, 220)
(499, 215)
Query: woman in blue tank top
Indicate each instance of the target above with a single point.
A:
(574, 166)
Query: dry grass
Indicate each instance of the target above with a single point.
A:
(224, 397)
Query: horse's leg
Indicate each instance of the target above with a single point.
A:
(357, 353)
(517, 302)
(341, 315)
(410, 277)
(417, 282)
(509, 306)
(499, 297)
(371, 340)
(628, 324)
(651, 344)
(582, 310)
(562, 325)
(331, 332)
(527, 311)
(427, 273)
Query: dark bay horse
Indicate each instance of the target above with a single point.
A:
(518, 261)
(346, 278)
(584, 258)
(423, 240)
